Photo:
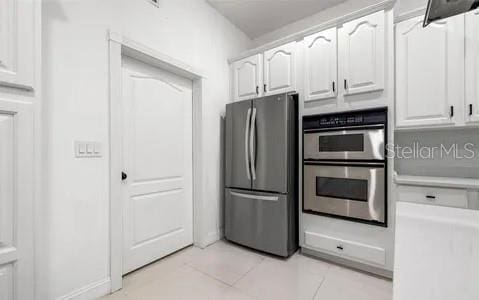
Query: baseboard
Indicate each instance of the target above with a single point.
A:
(348, 263)
(211, 238)
(92, 291)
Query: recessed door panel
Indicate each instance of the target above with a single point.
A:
(247, 79)
(280, 69)
(7, 148)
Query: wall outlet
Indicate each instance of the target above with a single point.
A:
(87, 149)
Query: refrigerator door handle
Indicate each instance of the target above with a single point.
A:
(246, 135)
(255, 197)
(252, 138)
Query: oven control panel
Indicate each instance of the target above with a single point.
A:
(346, 119)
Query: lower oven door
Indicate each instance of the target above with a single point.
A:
(354, 191)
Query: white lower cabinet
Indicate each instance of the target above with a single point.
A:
(429, 72)
(433, 195)
(346, 248)
(436, 253)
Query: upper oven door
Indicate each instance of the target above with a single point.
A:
(364, 143)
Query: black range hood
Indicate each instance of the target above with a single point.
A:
(441, 9)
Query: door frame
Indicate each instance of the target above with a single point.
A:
(120, 46)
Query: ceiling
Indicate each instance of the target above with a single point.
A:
(257, 17)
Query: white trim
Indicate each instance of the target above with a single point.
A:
(451, 182)
(383, 5)
(91, 291)
(119, 46)
(410, 14)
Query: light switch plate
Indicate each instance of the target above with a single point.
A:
(87, 149)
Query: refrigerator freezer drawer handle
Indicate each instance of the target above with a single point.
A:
(246, 135)
(255, 197)
(252, 138)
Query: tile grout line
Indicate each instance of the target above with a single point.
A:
(252, 268)
(321, 283)
(209, 275)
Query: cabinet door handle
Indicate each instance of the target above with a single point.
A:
(470, 109)
(257, 90)
(264, 87)
(345, 84)
(452, 111)
(430, 197)
(340, 247)
(334, 87)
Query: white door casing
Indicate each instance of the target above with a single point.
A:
(157, 155)
(472, 67)
(16, 200)
(362, 44)
(429, 72)
(17, 43)
(248, 77)
(321, 65)
(280, 69)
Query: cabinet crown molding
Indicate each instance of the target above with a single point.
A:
(383, 5)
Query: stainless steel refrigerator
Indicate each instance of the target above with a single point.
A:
(261, 195)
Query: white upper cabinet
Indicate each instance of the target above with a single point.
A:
(429, 72)
(248, 78)
(472, 66)
(321, 65)
(362, 54)
(280, 69)
(17, 34)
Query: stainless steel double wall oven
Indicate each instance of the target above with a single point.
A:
(344, 165)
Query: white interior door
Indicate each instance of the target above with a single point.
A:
(157, 158)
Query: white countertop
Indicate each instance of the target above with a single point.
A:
(451, 182)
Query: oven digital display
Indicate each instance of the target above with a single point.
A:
(342, 188)
(341, 143)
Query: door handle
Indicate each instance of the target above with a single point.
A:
(470, 109)
(334, 87)
(264, 87)
(451, 113)
(346, 84)
(124, 176)
(246, 135)
(257, 90)
(252, 144)
(255, 197)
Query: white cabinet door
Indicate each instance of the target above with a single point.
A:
(321, 65)
(280, 69)
(247, 78)
(362, 54)
(17, 33)
(16, 200)
(429, 72)
(472, 66)
(436, 256)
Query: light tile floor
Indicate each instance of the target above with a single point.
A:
(228, 271)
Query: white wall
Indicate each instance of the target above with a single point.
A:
(334, 12)
(73, 216)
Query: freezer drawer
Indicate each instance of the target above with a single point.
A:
(262, 221)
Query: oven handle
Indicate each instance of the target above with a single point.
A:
(378, 164)
(345, 128)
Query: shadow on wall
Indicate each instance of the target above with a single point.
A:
(221, 216)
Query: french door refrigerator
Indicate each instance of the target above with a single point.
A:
(261, 203)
